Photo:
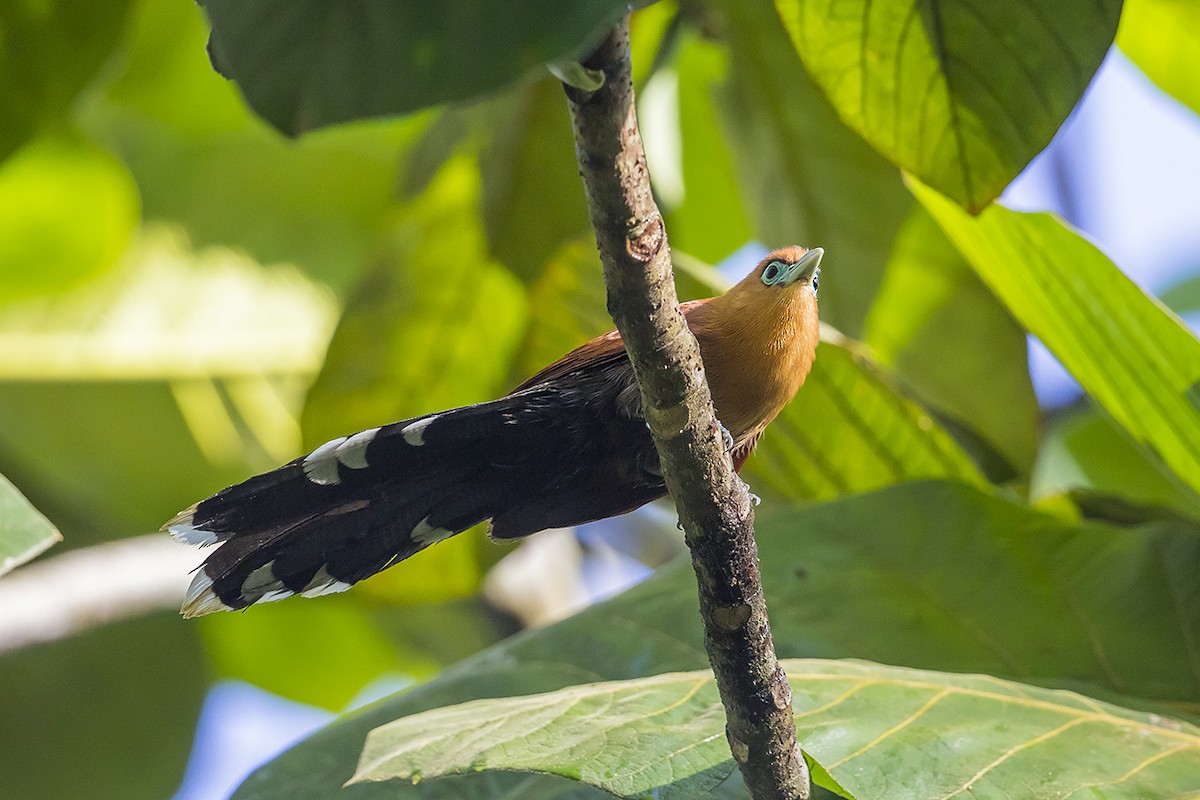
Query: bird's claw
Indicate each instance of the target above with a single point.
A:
(755, 500)
(726, 437)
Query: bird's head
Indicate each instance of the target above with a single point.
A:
(783, 284)
(789, 269)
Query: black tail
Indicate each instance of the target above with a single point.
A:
(358, 504)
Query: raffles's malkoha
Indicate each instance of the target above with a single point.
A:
(567, 446)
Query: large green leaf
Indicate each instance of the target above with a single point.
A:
(1087, 451)
(532, 197)
(878, 731)
(711, 221)
(806, 178)
(933, 575)
(48, 52)
(68, 209)
(110, 712)
(302, 64)
(949, 339)
(1131, 354)
(961, 93)
(1163, 39)
(24, 532)
(850, 430)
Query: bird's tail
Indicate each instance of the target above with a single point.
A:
(353, 506)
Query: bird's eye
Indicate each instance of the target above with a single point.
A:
(772, 273)
(815, 277)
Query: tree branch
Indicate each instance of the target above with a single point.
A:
(714, 505)
(75, 591)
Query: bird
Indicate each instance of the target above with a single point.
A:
(568, 445)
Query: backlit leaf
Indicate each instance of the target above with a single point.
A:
(806, 178)
(848, 430)
(1163, 39)
(1131, 354)
(961, 93)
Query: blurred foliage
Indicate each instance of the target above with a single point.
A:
(1163, 39)
(928, 319)
(188, 297)
(1134, 357)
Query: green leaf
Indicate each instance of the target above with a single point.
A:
(1087, 451)
(806, 178)
(68, 209)
(308, 63)
(434, 326)
(1163, 38)
(567, 307)
(24, 533)
(49, 51)
(934, 575)
(711, 222)
(879, 731)
(961, 93)
(850, 430)
(1132, 355)
(532, 197)
(163, 60)
(110, 712)
(930, 323)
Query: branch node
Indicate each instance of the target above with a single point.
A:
(732, 617)
(645, 239)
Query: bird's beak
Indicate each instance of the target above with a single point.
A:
(804, 269)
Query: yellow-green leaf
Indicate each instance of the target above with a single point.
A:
(961, 93)
(849, 430)
(878, 731)
(1163, 39)
(1131, 354)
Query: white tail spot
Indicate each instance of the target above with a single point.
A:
(261, 581)
(425, 534)
(323, 583)
(183, 529)
(321, 465)
(414, 432)
(200, 598)
(188, 534)
(353, 451)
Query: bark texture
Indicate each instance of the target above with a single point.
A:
(714, 505)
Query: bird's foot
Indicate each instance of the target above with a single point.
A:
(726, 437)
